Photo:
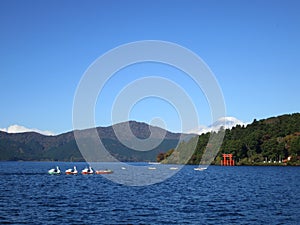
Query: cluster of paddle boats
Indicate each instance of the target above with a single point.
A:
(74, 171)
(89, 170)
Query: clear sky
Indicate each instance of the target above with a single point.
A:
(252, 47)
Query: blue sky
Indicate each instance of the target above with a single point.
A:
(252, 47)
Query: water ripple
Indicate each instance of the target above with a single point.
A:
(219, 195)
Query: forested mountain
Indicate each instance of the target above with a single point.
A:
(271, 140)
(36, 147)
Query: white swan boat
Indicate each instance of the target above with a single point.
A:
(87, 171)
(54, 171)
(72, 171)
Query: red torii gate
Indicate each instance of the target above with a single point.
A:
(227, 160)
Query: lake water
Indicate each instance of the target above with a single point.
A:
(218, 195)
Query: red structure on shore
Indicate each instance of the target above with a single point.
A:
(227, 160)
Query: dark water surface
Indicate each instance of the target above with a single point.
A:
(218, 195)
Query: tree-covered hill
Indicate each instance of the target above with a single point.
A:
(271, 140)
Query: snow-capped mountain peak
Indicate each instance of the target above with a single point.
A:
(225, 122)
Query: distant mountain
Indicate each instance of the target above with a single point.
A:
(225, 122)
(34, 146)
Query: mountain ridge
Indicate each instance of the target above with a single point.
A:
(63, 147)
(228, 122)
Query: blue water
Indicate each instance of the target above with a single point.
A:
(218, 195)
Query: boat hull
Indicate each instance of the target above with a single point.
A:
(53, 173)
(86, 173)
(104, 172)
(71, 173)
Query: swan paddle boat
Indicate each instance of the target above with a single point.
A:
(103, 171)
(87, 171)
(55, 171)
(72, 171)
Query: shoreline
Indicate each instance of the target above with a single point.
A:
(294, 164)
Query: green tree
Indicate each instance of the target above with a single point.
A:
(295, 146)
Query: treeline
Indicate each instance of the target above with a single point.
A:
(274, 140)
